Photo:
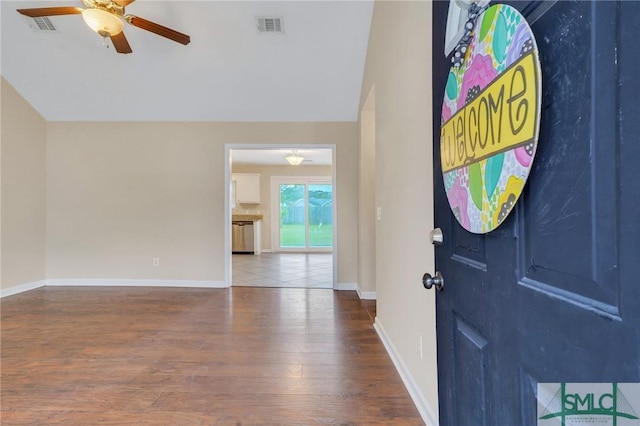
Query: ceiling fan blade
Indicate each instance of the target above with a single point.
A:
(50, 11)
(124, 3)
(158, 29)
(120, 43)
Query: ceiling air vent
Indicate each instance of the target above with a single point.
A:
(270, 25)
(42, 24)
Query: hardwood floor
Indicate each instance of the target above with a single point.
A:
(168, 356)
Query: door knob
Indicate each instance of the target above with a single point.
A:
(428, 281)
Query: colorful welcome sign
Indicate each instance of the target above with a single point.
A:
(490, 120)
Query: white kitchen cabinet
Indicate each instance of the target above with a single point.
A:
(247, 188)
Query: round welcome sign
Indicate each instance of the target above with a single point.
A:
(490, 120)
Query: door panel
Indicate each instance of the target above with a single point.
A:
(292, 216)
(582, 216)
(471, 379)
(320, 206)
(528, 391)
(552, 294)
(468, 249)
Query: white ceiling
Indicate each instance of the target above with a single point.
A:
(229, 72)
(312, 157)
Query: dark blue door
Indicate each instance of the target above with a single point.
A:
(553, 294)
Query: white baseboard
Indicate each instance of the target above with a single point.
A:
(366, 295)
(22, 288)
(418, 398)
(346, 287)
(137, 283)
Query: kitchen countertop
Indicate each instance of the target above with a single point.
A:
(252, 217)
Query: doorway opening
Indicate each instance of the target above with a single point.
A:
(293, 213)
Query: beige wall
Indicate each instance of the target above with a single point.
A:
(120, 194)
(367, 196)
(2, 85)
(22, 189)
(266, 173)
(399, 66)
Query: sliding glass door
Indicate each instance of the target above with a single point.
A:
(320, 214)
(292, 217)
(305, 214)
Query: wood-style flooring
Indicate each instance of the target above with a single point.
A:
(170, 356)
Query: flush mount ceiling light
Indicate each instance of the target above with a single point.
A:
(294, 158)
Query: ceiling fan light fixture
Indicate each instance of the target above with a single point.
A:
(294, 158)
(104, 23)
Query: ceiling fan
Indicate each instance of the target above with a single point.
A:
(106, 17)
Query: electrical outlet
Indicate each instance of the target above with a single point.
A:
(156, 261)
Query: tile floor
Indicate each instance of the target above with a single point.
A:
(293, 270)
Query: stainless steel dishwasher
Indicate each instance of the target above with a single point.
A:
(242, 236)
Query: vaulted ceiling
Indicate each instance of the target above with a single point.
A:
(229, 71)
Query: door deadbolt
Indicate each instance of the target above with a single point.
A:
(436, 236)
